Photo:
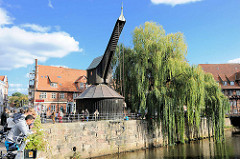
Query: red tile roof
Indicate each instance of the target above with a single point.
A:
(64, 77)
(2, 78)
(224, 72)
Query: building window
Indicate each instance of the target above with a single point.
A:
(44, 108)
(238, 92)
(62, 96)
(225, 92)
(75, 95)
(230, 92)
(224, 83)
(81, 85)
(232, 83)
(54, 85)
(53, 95)
(43, 95)
(53, 108)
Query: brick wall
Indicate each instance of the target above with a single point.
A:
(103, 137)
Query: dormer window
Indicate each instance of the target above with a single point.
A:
(54, 85)
(224, 83)
(81, 85)
(232, 83)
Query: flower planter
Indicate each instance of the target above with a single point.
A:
(30, 154)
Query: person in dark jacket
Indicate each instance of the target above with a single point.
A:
(4, 117)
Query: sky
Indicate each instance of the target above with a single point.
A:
(71, 33)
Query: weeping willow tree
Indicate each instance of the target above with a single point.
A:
(158, 79)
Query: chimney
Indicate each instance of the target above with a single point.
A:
(36, 62)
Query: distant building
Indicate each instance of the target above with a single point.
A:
(3, 92)
(228, 77)
(55, 88)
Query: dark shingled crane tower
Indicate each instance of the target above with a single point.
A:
(99, 73)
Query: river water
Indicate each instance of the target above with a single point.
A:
(230, 148)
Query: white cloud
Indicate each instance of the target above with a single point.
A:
(4, 18)
(50, 4)
(60, 66)
(35, 27)
(15, 85)
(173, 2)
(21, 90)
(19, 46)
(234, 61)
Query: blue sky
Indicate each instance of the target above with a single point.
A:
(72, 33)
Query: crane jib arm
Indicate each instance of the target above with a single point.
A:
(100, 71)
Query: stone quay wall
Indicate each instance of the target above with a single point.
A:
(93, 139)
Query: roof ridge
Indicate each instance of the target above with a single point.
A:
(62, 67)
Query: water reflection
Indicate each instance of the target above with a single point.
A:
(206, 148)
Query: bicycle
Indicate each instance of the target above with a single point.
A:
(4, 133)
(14, 152)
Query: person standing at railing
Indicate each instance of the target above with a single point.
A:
(126, 117)
(60, 117)
(53, 117)
(96, 113)
(82, 115)
(56, 118)
(71, 116)
(42, 117)
(87, 114)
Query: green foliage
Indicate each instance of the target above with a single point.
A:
(158, 78)
(76, 155)
(38, 138)
(18, 94)
(18, 99)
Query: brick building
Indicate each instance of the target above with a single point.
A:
(55, 88)
(228, 77)
(3, 92)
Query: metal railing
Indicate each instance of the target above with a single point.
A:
(235, 111)
(91, 117)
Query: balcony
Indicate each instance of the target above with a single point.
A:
(32, 75)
